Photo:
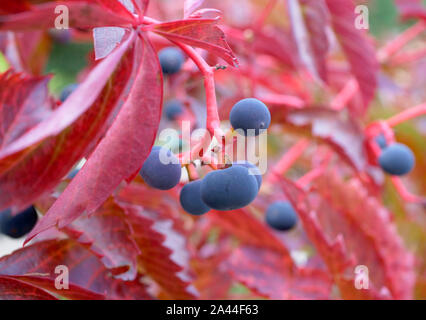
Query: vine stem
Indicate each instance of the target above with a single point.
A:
(282, 99)
(351, 88)
(395, 45)
(408, 57)
(212, 119)
(407, 115)
(287, 160)
(345, 95)
(404, 193)
(259, 23)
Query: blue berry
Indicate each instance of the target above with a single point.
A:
(171, 60)
(19, 225)
(73, 173)
(161, 169)
(66, 92)
(250, 114)
(190, 199)
(397, 159)
(281, 216)
(381, 141)
(252, 169)
(62, 36)
(173, 109)
(229, 189)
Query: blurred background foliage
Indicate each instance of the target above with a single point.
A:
(67, 60)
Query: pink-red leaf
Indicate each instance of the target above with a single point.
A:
(24, 103)
(88, 278)
(163, 255)
(344, 135)
(243, 225)
(119, 7)
(411, 9)
(316, 21)
(121, 152)
(362, 221)
(267, 273)
(190, 6)
(82, 14)
(13, 289)
(349, 228)
(358, 50)
(202, 33)
(115, 247)
(39, 159)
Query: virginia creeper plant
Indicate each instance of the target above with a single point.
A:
(331, 200)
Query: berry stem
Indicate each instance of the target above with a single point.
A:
(259, 23)
(282, 99)
(287, 160)
(407, 115)
(408, 57)
(404, 193)
(395, 45)
(345, 95)
(192, 172)
(309, 176)
(212, 119)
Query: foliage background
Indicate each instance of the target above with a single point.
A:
(67, 60)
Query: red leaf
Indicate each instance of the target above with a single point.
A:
(74, 292)
(344, 135)
(82, 14)
(12, 289)
(277, 43)
(358, 50)
(202, 33)
(116, 247)
(365, 223)
(267, 273)
(212, 280)
(316, 18)
(13, 6)
(190, 6)
(141, 6)
(163, 254)
(39, 159)
(160, 237)
(24, 103)
(26, 51)
(121, 152)
(243, 225)
(362, 235)
(88, 278)
(117, 7)
(411, 9)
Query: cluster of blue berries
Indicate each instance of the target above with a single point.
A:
(228, 189)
